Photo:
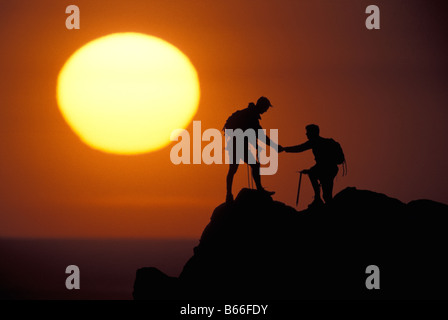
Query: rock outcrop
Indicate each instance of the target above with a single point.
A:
(258, 248)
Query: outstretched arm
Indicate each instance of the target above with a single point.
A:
(269, 142)
(299, 148)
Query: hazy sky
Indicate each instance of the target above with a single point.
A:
(382, 94)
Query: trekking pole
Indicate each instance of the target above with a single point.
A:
(298, 189)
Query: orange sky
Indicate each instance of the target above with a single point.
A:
(382, 94)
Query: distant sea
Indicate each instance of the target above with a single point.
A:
(35, 268)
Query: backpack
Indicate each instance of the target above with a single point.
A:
(337, 155)
(238, 120)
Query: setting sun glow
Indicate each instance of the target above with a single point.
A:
(126, 92)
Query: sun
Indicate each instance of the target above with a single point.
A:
(125, 93)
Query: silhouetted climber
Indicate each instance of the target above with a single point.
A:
(328, 154)
(248, 118)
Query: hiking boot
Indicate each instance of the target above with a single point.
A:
(316, 204)
(229, 198)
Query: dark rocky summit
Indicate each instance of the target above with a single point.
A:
(258, 248)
